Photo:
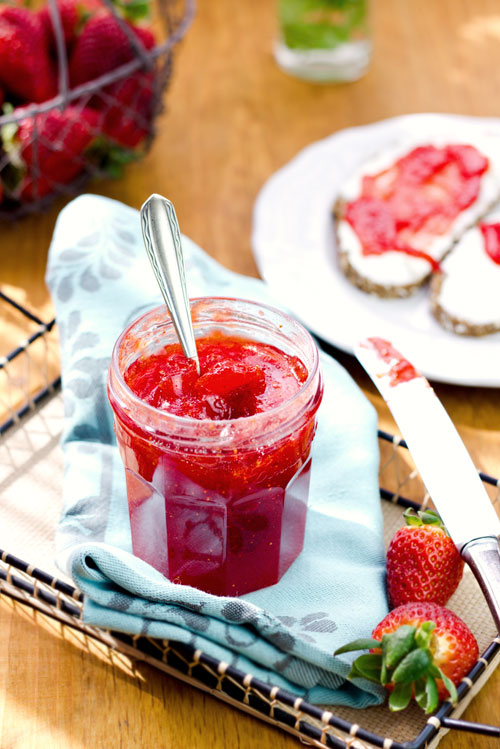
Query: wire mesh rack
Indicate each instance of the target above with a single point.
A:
(91, 105)
(27, 585)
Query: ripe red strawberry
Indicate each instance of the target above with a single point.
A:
(63, 138)
(73, 14)
(128, 109)
(26, 69)
(103, 46)
(426, 651)
(422, 561)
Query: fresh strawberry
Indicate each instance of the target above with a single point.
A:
(103, 46)
(128, 109)
(59, 156)
(73, 14)
(423, 563)
(26, 69)
(426, 651)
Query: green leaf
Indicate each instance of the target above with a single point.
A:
(400, 697)
(452, 690)
(110, 158)
(133, 10)
(426, 694)
(8, 134)
(411, 517)
(364, 643)
(321, 24)
(412, 667)
(422, 517)
(432, 694)
(367, 666)
(429, 517)
(397, 645)
(423, 635)
(384, 672)
(420, 693)
(434, 671)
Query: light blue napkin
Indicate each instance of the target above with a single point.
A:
(100, 280)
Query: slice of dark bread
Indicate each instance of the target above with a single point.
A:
(465, 295)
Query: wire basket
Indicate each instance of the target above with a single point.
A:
(90, 105)
(29, 588)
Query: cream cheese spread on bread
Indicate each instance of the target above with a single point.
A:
(465, 296)
(394, 273)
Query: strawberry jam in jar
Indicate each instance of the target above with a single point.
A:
(217, 465)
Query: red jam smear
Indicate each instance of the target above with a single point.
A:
(401, 370)
(231, 520)
(491, 238)
(237, 378)
(402, 208)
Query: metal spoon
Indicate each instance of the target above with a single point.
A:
(162, 238)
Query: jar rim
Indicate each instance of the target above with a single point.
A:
(218, 428)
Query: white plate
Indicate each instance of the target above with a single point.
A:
(294, 246)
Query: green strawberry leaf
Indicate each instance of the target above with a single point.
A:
(110, 158)
(385, 677)
(133, 10)
(397, 645)
(432, 694)
(14, 169)
(420, 693)
(364, 643)
(449, 686)
(400, 697)
(429, 517)
(426, 694)
(367, 666)
(411, 517)
(422, 517)
(412, 667)
(8, 133)
(423, 635)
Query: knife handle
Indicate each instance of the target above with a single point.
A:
(483, 557)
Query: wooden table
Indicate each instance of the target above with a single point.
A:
(232, 119)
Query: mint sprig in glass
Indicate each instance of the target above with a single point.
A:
(324, 40)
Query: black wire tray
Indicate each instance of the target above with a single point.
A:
(317, 726)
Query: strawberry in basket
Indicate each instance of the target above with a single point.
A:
(63, 138)
(103, 45)
(127, 104)
(105, 126)
(73, 14)
(26, 69)
(129, 109)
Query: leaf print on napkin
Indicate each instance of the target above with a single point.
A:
(317, 622)
(97, 258)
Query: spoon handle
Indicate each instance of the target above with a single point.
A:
(162, 239)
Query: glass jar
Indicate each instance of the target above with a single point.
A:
(324, 40)
(219, 505)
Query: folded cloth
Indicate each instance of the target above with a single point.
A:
(100, 280)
